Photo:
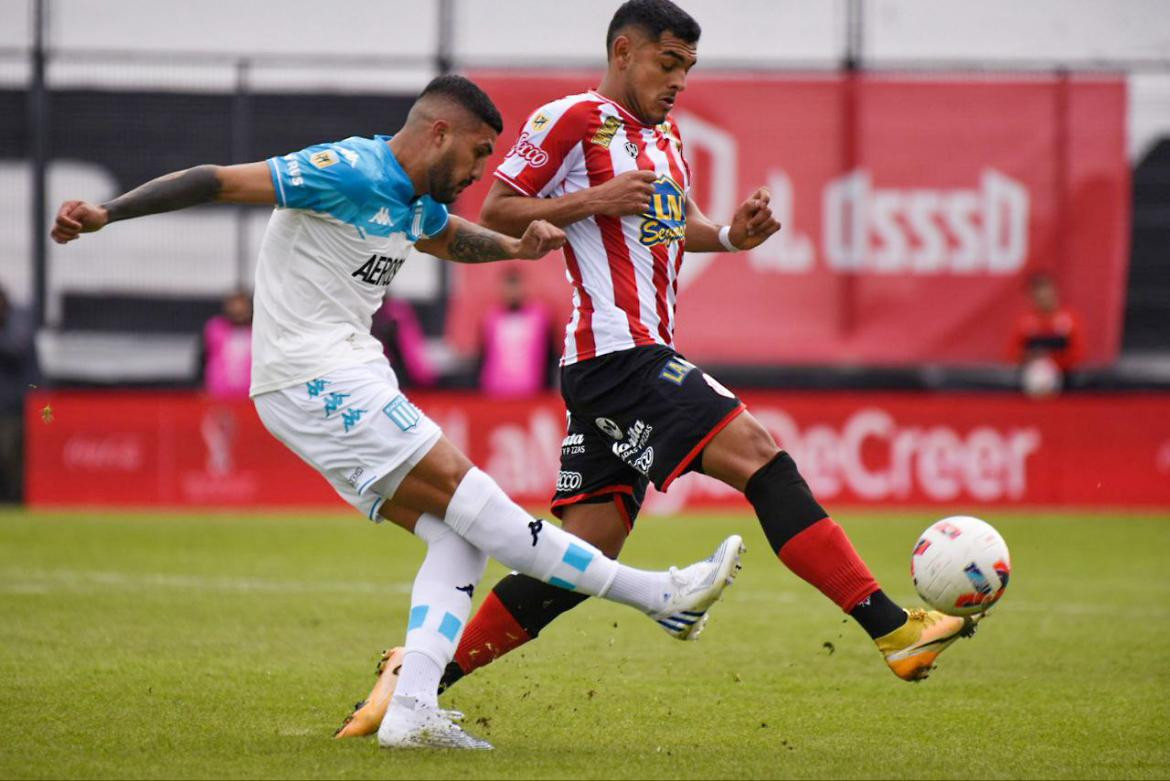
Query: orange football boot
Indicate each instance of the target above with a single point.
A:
(367, 714)
(910, 650)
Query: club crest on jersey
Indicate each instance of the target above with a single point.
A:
(539, 121)
(667, 219)
(604, 135)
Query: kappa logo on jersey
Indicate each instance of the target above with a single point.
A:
(383, 218)
(323, 159)
(604, 135)
(539, 121)
(530, 152)
(378, 270)
(667, 219)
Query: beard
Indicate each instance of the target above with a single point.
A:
(444, 189)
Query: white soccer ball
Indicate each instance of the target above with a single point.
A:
(960, 565)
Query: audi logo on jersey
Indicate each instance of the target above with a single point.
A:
(534, 155)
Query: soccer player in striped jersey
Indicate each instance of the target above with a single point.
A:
(609, 167)
(346, 215)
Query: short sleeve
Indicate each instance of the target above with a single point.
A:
(318, 178)
(434, 218)
(534, 164)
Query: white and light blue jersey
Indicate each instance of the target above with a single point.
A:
(345, 220)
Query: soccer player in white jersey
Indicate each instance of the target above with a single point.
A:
(346, 215)
(609, 166)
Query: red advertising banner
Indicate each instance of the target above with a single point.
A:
(913, 208)
(877, 449)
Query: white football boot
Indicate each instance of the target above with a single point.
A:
(697, 588)
(410, 724)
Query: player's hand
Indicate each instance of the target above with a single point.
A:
(539, 239)
(753, 222)
(75, 218)
(627, 193)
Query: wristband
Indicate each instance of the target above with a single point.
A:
(725, 239)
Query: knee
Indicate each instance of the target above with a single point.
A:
(600, 525)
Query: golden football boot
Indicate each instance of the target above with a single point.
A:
(367, 714)
(910, 650)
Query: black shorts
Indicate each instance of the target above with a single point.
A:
(636, 416)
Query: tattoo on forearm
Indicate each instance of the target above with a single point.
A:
(476, 245)
(166, 194)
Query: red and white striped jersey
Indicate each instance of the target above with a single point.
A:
(624, 270)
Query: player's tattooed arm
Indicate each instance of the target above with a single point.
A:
(168, 193)
(246, 183)
(466, 242)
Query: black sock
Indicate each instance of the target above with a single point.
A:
(532, 603)
(878, 614)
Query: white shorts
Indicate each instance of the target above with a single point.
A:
(355, 427)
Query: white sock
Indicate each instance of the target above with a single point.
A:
(440, 602)
(483, 515)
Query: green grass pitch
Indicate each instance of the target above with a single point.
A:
(187, 646)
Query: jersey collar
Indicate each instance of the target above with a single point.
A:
(621, 109)
(400, 185)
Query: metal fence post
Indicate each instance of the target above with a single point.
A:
(38, 134)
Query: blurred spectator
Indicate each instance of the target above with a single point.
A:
(18, 372)
(403, 343)
(518, 350)
(1046, 344)
(227, 349)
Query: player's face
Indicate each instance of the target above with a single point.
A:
(461, 161)
(656, 71)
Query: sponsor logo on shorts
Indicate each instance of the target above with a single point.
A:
(353, 477)
(611, 429)
(635, 450)
(404, 414)
(717, 386)
(643, 462)
(573, 445)
(675, 370)
(568, 481)
(469, 589)
(528, 151)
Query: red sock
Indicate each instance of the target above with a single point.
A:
(491, 633)
(823, 555)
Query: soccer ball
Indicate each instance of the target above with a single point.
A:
(960, 565)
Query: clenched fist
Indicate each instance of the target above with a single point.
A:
(625, 194)
(539, 239)
(75, 218)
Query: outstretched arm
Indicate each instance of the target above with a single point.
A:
(466, 242)
(245, 183)
(751, 226)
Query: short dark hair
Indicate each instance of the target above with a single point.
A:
(467, 94)
(654, 17)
